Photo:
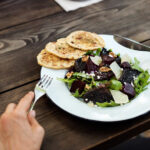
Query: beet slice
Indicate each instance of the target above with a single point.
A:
(118, 60)
(128, 75)
(98, 95)
(104, 52)
(77, 84)
(107, 59)
(91, 66)
(129, 90)
(79, 65)
(99, 76)
(71, 69)
(125, 65)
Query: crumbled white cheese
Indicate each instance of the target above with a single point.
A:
(125, 83)
(98, 77)
(96, 60)
(91, 104)
(134, 78)
(86, 99)
(92, 73)
(119, 97)
(110, 55)
(132, 84)
(116, 69)
(126, 58)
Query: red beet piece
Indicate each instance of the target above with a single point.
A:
(99, 76)
(78, 84)
(118, 60)
(128, 75)
(104, 52)
(129, 90)
(91, 66)
(107, 59)
(71, 69)
(79, 65)
(99, 94)
(125, 65)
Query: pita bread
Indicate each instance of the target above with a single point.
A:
(85, 40)
(48, 60)
(63, 50)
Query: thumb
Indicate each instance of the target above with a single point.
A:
(32, 120)
(36, 127)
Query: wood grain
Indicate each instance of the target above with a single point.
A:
(65, 132)
(147, 42)
(14, 12)
(19, 45)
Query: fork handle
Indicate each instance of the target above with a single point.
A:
(33, 104)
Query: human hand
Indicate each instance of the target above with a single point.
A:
(19, 129)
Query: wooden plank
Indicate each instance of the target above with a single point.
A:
(17, 12)
(147, 42)
(65, 132)
(20, 45)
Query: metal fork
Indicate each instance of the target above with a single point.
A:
(40, 88)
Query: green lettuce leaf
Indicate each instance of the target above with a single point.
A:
(136, 65)
(140, 84)
(106, 104)
(115, 85)
(98, 52)
(68, 81)
(89, 53)
(77, 94)
(94, 53)
(83, 75)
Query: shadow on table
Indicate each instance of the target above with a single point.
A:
(137, 143)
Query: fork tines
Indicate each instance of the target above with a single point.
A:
(45, 81)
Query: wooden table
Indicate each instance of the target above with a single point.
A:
(27, 25)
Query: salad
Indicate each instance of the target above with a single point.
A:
(105, 79)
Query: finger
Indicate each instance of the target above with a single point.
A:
(31, 115)
(32, 120)
(25, 102)
(36, 127)
(10, 108)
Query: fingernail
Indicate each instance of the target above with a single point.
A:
(33, 113)
(31, 92)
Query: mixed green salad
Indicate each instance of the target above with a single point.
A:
(103, 78)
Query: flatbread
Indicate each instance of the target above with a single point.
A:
(48, 60)
(62, 49)
(85, 40)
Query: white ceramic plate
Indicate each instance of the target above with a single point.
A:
(60, 95)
